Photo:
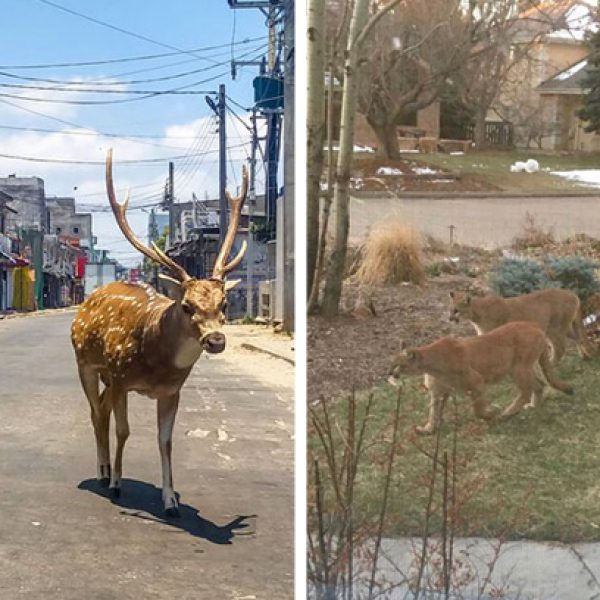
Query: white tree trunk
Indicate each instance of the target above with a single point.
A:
(315, 127)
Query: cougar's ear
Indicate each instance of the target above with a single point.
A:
(229, 285)
(452, 295)
(468, 299)
(403, 346)
(171, 287)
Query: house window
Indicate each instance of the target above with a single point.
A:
(75, 229)
(58, 230)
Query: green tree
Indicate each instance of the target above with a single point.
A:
(591, 102)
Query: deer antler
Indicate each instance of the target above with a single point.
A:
(222, 267)
(156, 254)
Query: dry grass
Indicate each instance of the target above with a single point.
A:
(391, 255)
(532, 235)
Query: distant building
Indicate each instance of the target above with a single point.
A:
(62, 218)
(28, 199)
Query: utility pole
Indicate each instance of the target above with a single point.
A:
(251, 205)
(171, 200)
(221, 107)
(288, 166)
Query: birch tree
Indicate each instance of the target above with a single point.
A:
(315, 128)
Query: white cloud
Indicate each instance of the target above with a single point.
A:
(197, 174)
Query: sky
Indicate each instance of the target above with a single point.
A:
(200, 37)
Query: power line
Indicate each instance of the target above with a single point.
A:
(114, 83)
(115, 27)
(140, 161)
(124, 100)
(128, 59)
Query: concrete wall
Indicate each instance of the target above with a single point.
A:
(63, 220)
(29, 200)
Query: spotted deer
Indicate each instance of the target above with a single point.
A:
(134, 339)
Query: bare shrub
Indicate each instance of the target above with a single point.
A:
(532, 235)
(391, 255)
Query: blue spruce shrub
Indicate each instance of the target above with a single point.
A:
(513, 277)
(575, 273)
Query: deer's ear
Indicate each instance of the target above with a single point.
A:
(171, 287)
(229, 285)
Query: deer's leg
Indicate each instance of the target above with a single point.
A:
(119, 401)
(166, 411)
(100, 413)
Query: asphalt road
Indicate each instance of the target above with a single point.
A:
(62, 537)
(484, 222)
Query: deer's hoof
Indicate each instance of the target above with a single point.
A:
(172, 512)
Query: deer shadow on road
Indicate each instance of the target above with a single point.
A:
(145, 500)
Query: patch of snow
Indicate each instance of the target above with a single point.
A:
(388, 171)
(356, 148)
(442, 180)
(532, 166)
(424, 171)
(409, 151)
(529, 166)
(456, 153)
(589, 177)
(571, 70)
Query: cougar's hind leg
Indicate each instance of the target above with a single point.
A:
(526, 382)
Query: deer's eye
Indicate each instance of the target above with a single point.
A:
(187, 309)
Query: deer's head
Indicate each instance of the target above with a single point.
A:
(201, 302)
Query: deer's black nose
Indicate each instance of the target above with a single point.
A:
(214, 343)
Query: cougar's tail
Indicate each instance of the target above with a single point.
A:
(546, 371)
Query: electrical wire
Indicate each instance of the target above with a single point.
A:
(128, 59)
(112, 83)
(115, 27)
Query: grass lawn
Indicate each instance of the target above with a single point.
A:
(535, 475)
(494, 167)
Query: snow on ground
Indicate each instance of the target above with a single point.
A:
(424, 171)
(388, 171)
(588, 177)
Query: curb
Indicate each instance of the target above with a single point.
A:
(253, 348)
(38, 313)
(474, 195)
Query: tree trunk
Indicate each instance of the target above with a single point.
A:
(337, 263)
(479, 130)
(313, 299)
(315, 129)
(387, 136)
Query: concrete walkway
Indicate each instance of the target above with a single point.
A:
(523, 570)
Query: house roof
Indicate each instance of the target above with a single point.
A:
(572, 19)
(567, 81)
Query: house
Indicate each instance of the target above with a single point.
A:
(528, 100)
